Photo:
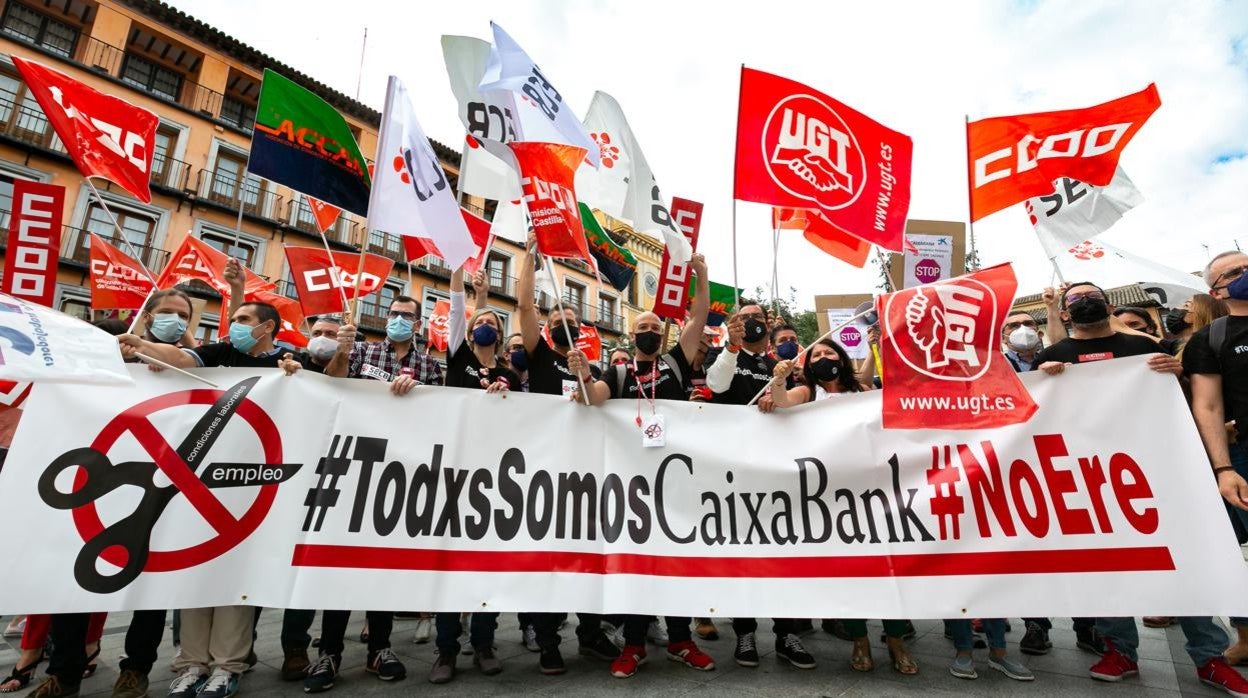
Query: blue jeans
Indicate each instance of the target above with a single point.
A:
(1205, 639)
(480, 631)
(964, 638)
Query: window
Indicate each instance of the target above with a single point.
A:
(149, 76)
(496, 270)
(20, 115)
(6, 200)
(431, 299)
(574, 295)
(239, 113)
(76, 306)
(139, 228)
(385, 244)
(32, 27)
(224, 188)
(165, 170)
(606, 309)
(206, 331)
(244, 251)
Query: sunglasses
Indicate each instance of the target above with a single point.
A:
(1075, 297)
(1230, 274)
(405, 314)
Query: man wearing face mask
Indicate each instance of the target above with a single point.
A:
(166, 314)
(646, 379)
(784, 342)
(1021, 340)
(253, 329)
(518, 360)
(394, 360)
(328, 337)
(1094, 338)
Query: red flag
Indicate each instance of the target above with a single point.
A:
(1012, 158)
(440, 323)
(672, 293)
(196, 259)
(117, 281)
(105, 135)
(547, 171)
(415, 248)
(34, 242)
(317, 280)
(324, 214)
(478, 228)
(588, 341)
(820, 232)
(288, 308)
(942, 365)
(797, 148)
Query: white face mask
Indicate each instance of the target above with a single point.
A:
(322, 348)
(1024, 339)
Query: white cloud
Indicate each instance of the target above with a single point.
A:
(920, 68)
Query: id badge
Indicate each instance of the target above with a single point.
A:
(654, 431)
(375, 373)
(570, 387)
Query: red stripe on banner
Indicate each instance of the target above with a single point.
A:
(1142, 559)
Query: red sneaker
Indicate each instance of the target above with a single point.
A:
(626, 664)
(1217, 673)
(689, 653)
(1114, 665)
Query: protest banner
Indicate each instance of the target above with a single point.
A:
(44, 345)
(818, 513)
(852, 336)
(34, 241)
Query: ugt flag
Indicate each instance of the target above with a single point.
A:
(798, 148)
(117, 281)
(302, 142)
(321, 284)
(943, 367)
(411, 195)
(42, 345)
(1013, 158)
(1075, 211)
(615, 263)
(105, 135)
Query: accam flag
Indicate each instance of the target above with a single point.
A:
(411, 194)
(324, 214)
(105, 135)
(301, 142)
(510, 68)
(34, 242)
(1076, 212)
(798, 148)
(547, 176)
(1012, 158)
(723, 302)
(288, 309)
(196, 259)
(941, 355)
(615, 263)
(318, 280)
(672, 293)
(117, 281)
(819, 232)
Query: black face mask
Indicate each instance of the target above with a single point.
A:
(565, 338)
(1175, 322)
(648, 342)
(825, 370)
(755, 330)
(1088, 311)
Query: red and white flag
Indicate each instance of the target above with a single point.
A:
(321, 284)
(325, 214)
(588, 341)
(196, 259)
(440, 323)
(943, 367)
(672, 293)
(798, 148)
(482, 238)
(820, 232)
(1013, 158)
(547, 176)
(34, 244)
(117, 280)
(288, 309)
(105, 135)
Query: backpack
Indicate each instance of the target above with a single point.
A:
(1217, 336)
(618, 375)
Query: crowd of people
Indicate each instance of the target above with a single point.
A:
(1204, 344)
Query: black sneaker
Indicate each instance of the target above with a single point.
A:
(550, 662)
(790, 648)
(321, 675)
(600, 647)
(1035, 641)
(836, 628)
(1088, 640)
(746, 653)
(386, 665)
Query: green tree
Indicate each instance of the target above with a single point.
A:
(804, 321)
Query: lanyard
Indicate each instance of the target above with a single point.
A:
(641, 387)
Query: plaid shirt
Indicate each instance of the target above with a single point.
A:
(376, 360)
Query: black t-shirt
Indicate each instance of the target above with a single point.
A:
(753, 372)
(1231, 364)
(548, 370)
(308, 365)
(666, 386)
(464, 370)
(1082, 351)
(224, 355)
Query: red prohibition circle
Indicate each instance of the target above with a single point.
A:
(87, 518)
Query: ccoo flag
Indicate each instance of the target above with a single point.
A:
(301, 142)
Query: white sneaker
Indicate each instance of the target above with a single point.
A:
(656, 633)
(422, 631)
(530, 639)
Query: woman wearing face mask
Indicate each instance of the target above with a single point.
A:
(1196, 313)
(472, 350)
(827, 373)
(166, 315)
(620, 357)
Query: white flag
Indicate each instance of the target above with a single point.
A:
(510, 68)
(1076, 212)
(42, 345)
(623, 186)
(511, 221)
(485, 115)
(411, 195)
(1108, 267)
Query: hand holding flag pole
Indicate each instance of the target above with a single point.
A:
(821, 337)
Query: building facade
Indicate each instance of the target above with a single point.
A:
(204, 86)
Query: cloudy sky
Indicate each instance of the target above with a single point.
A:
(918, 67)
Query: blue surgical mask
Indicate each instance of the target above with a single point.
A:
(520, 360)
(399, 329)
(242, 338)
(167, 327)
(787, 350)
(1238, 289)
(484, 335)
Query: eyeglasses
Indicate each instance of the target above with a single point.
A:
(1075, 297)
(1231, 274)
(405, 314)
(1011, 326)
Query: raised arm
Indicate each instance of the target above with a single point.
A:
(526, 306)
(691, 335)
(455, 325)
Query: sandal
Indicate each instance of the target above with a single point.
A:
(91, 665)
(1236, 654)
(861, 659)
(20, 677)
(902, 662)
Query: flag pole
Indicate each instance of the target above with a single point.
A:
(822, 337)
(382, 134)
(970, 199)
(775, 270)
(117, 228)
(550, 271)
(334, 262)
(736, 286)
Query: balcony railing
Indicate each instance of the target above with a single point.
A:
(610, 320)
(26, 123)
(505, 285)
(76, 246)
(373, 315)
(100, 56)
(287, 288)
(300, 216)
(198, 98)
(171, 173)
(577, 304)
(223, 188)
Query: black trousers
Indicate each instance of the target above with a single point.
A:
(69, 647)
(147, 629)
(546, 625)
(297, 622)
(635, 630)
(780, 626)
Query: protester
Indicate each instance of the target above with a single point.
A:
(1137, 319)
(963, 665)
(827, 372)
(1093, 339)
(166, 315)
(741, 371)
(395, 360)
(35, 632)
(1196, 313)
(324, 341)
(784, 344)
(518, 360)
(1021, 340)
(619, 356)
